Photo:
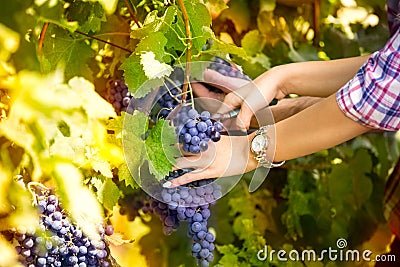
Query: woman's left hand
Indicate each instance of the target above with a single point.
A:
(229, 156)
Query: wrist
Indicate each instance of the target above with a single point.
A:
(252, 163)
(262, 147)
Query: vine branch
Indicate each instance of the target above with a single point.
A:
(132, 14)
(189, 49)
(41, 41)
(104, 41)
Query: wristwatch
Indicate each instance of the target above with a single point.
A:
(259, 147)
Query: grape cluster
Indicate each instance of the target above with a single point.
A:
(133, 204)
(195, 130)
(227, 69)
(118, 95)
(170, 96)
(59, 242)
(190, 203)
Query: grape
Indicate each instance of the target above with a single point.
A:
(59, 242)
(195, 130)
(196, 247)
(118, 95)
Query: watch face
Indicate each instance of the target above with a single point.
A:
(258, 143)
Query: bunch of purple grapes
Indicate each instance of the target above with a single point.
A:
(133, 203)
(59, 242)
(195, 130)
(118, 95)
(170, 96)
(190, 203)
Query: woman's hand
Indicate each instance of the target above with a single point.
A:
(227, 157)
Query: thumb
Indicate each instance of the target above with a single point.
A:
(244, 116)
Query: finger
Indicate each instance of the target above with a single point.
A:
(231, 101)
(191, 177)
(225, 83)
(201, 91)
(189, 162)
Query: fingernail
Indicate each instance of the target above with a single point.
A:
(167, 184)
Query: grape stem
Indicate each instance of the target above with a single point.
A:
(104, 41)
(31, 187)
(132, 14)
(41, 41)
(189, 50)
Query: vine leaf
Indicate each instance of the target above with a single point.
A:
(160, 149)
(200, 22)
(153, 23)
(144, 69)
(253, 42)
(89, 15)
(62, 49)
(135, 126)
(153, 68)
(108, 193)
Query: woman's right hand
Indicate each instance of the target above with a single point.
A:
(254, 96)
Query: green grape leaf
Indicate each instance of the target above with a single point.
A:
(125, 175)
(134, 74)
(135, 77)
(52, 11)
(220, 48)
(62, 49)
(135, 126)
(200, 22)
(361, 165)
(253, 42)
(155, 43)
(108, 194)
(89, 15)
(339, 184)
(153, 23)
(153, 68)
(229, 257)
(160, 149)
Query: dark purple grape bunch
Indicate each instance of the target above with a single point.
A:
(134, 205)
(190, 203)
(202, 239)
(58, 241)
(196, 130)
(227, 69)
(118, 95)
(170, 96)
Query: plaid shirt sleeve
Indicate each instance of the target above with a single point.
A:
(372, 97)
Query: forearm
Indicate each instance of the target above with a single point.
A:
(318, 127)
(313, 78)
